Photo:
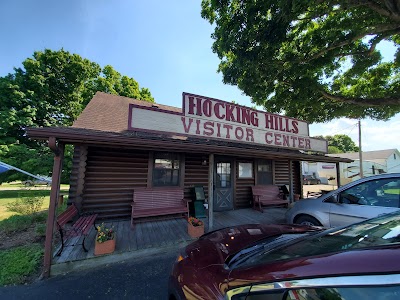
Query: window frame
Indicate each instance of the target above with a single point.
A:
(247, 163)
(151, 168)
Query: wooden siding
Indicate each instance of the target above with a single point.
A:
(243, 187)
(281, 172)
(77, 177)
(195, 174)
(110, 178)
(296, 173)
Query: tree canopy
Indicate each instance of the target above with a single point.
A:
(314, 60)
(340, 143)
(51, 89)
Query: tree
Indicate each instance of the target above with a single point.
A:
(314, 60)
(340, 143)
(51, 89)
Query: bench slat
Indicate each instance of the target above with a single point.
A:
(267, 195)
(80, 227)
(150, 202)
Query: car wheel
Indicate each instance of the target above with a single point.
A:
(28, 183)
(319, 182)
(307, 220)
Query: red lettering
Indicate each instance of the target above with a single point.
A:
(286, 140)
(254, 118)
(287, 125)
(207, 108)
(278, 139)
(208, 128)
(229, 113)
(198, 127)
(238, 115)
(219, 130)
(249, 135)
(308, 144)
(294, 139)
(269, 121)
(198, 105)
(185, 126)
(295, 128)
(281, 124)
(191, 105)
(228, 127)
(240, 130)
(217, 110)
(269, 142)
(301, 141)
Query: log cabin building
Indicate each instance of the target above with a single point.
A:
(122, 144)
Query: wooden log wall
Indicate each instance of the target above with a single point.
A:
(195, 174)
(282, 175)
(243, 194)
(77, 177)
(110, 178)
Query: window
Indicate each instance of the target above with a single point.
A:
(245, 170)
(264, 172)
(166, 169)
(223, 179)
(382, 192)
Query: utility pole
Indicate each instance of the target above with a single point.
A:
(360, 149)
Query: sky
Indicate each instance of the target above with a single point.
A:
(164, 45)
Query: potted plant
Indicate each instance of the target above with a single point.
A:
(105, 240)
(195, 227)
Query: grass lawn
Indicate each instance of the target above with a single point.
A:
(11, 192)
(21, 253)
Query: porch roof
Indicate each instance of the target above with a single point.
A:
(151, 141)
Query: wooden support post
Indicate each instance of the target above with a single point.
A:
(338, 174)
(291, 192)
(210, 192)
(55, 191)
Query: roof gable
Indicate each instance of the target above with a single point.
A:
(109, 113)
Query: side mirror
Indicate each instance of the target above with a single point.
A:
(332, 199)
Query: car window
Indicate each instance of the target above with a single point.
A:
(374, 232)
(383, 192)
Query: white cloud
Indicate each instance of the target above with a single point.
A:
(375, 135)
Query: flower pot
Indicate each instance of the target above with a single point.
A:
(195, 231)
(106, 247)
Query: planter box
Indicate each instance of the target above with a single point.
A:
(195, 231)
(104, 248)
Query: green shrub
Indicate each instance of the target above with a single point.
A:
(40, 229)
(26, 205)
(16, 223)
(18, 263)
(40, 217)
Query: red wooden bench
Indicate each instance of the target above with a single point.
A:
(267, 195)
(158, 201)
(80, 227)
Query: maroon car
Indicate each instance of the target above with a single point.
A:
(360, 261)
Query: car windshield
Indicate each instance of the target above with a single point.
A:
(371, 233)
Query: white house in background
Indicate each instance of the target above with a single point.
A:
(374, 162)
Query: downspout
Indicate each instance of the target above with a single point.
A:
(58, 150)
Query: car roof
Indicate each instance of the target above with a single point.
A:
(361, 180)
(377, 251)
